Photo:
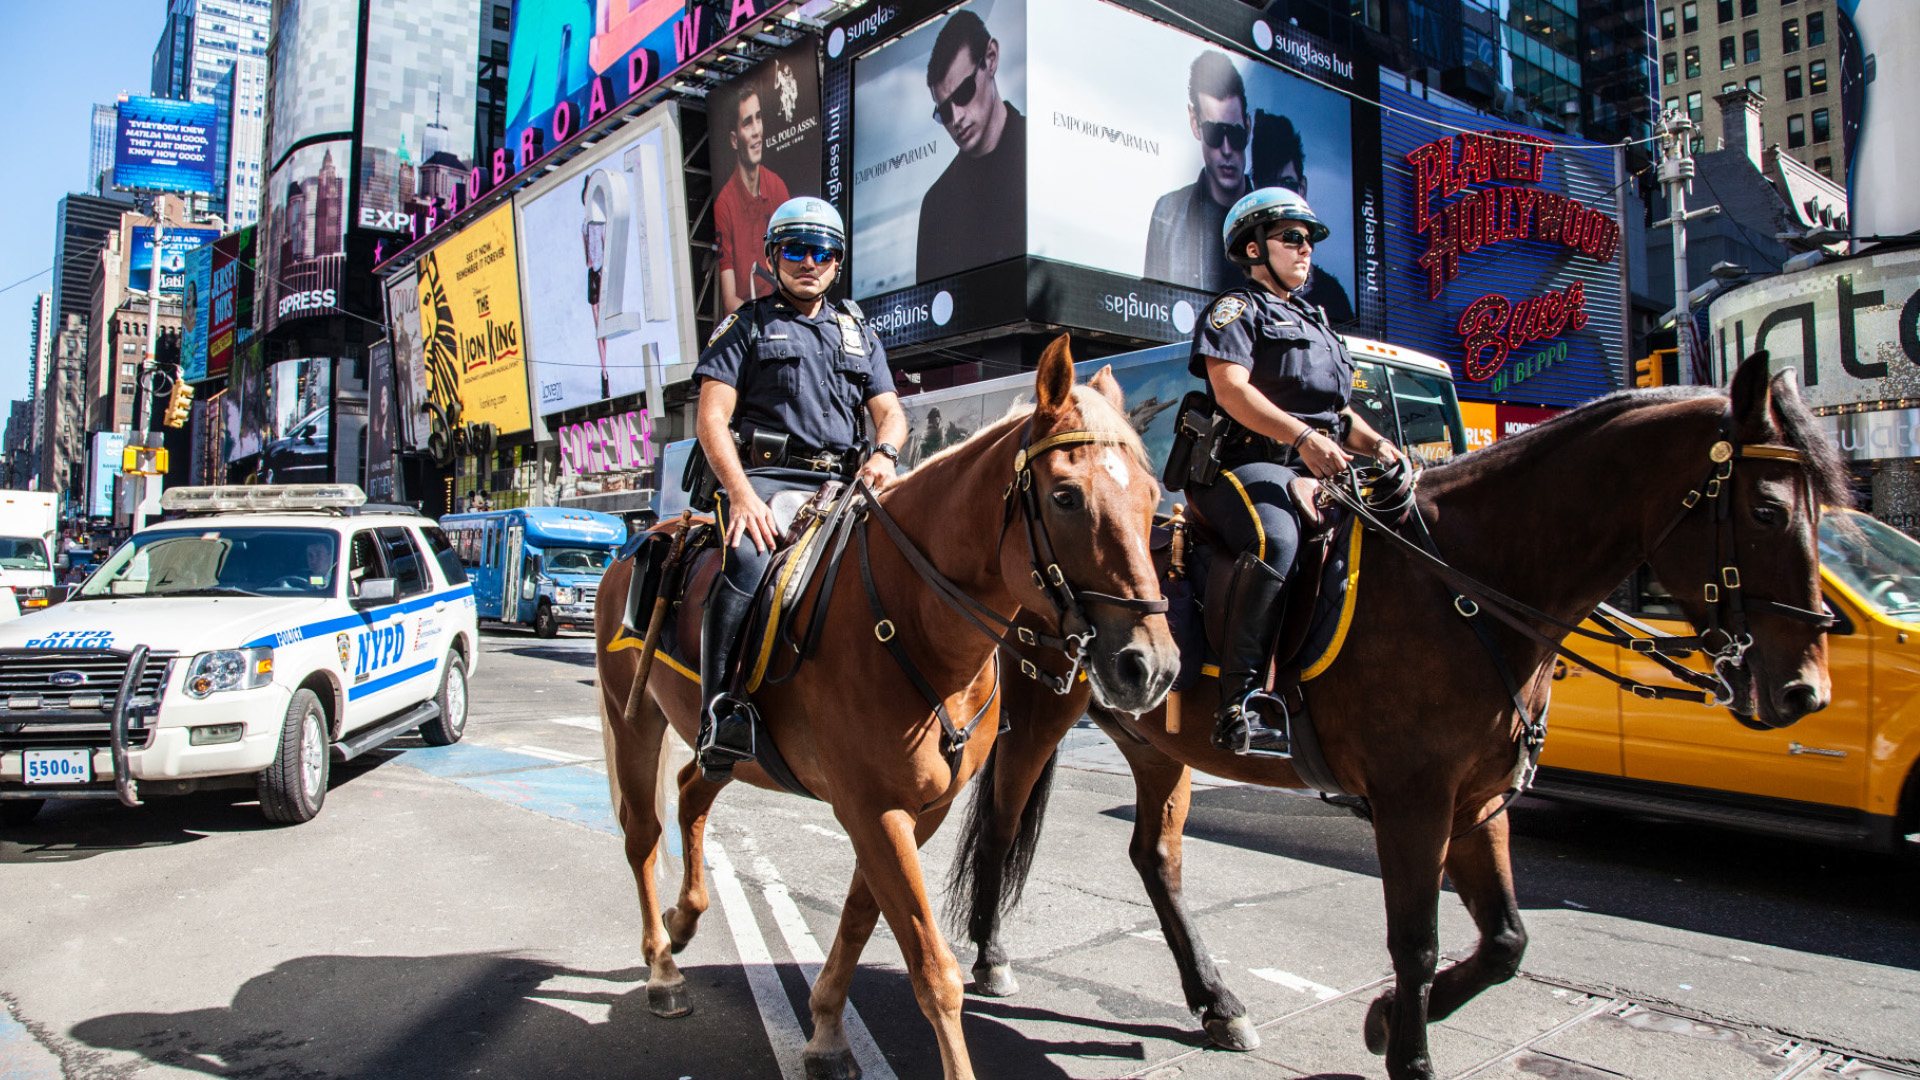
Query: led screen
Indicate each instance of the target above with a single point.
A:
(165, 145)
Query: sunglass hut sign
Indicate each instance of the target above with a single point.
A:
(1459, 220)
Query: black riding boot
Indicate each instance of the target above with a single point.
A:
(1252, 623)
(726, 721)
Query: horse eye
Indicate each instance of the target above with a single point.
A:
(1066, 498)
(1766, 515)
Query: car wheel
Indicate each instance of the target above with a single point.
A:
(295, 785)
(17, 812)
(544, 624)
(446, 729)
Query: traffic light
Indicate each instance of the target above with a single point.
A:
(1650, 370)
(144, 461)
(179, 405)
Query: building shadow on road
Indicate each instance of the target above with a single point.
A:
(1851, 905)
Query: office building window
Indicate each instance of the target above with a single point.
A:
(1817, 77)
(1669, 69)
(1667, 24)
(1750, 46)
(1694, 111)
(1749, 7)
(1726, 53)
(1725, 10)
(1823, 166)
(1673, 105)
(1816, 28)
(1753, 85)
(1821, 131)
(126, 371)
(1790, 36)
(1796, 131)
(1689, 17)
(127, 389)
(1793, 84)
(1697, 144)
(1693, 62)
(502, 17)
(1730, 86)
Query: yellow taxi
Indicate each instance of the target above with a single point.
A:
(1845, 775)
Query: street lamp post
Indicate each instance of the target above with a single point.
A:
(1676, 173)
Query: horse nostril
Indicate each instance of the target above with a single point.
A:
(1801, 699)
(1132, 667)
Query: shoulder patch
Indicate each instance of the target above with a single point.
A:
(1225, 310)
(720, 330)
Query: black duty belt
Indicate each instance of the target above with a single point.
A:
(774, 453)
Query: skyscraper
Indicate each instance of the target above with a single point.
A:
(39, 364)
(240, 96)
(200, 47)
(100, 160)
(80, 230)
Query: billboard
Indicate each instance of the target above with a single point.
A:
(470, 326)
(416, 117)
(175, 245)
(298, 407)
(230, 306)
(1883, 156)
(608, 287)
(1503, 254)
(411, 424)
(248, 411)
(165, 145)
(313, 97)
(765, 142)
(304, 232)
(381, 484)
(107, 446)
(195, 312)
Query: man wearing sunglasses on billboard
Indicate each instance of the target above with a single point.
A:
(1280, 160)
(1183, 245)
(976, 212)
(783, 385)
(744, 206)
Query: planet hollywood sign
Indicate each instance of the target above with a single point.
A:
(1501, 211)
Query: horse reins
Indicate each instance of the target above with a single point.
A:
(1725, 648)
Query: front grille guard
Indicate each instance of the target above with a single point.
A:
(124, 787)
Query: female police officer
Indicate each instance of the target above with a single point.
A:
(1283, 376)
(782, 382)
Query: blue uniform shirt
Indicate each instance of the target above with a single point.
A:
(1297, 361)
(807, 377)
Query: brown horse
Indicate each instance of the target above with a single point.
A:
(852, 725)
(1412, 713)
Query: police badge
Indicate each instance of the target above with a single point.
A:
(344, 646)
(850, 336)
(1225, 310)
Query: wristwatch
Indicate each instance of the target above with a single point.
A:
(889, 451)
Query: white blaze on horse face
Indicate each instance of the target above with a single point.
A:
(1116, 469)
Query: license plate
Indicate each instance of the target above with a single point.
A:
(57, 766)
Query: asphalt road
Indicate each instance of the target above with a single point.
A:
(467, 911)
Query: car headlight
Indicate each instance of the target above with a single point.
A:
(563, 595)
(229, 669)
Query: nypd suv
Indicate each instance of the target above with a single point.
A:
(254, 637)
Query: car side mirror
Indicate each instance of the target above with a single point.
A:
(374, 591)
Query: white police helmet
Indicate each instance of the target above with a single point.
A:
(808, 220)
(1258, 209)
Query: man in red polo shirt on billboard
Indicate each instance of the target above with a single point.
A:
(744, 207)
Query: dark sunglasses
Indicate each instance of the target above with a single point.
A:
(795, 251)
(1234, 135)
(1293, 238)
(961, 97)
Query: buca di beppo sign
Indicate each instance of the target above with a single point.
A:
(1503, 261)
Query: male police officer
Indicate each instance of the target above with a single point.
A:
(786, 375)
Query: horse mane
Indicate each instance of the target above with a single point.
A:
(1799, 428)
(1097, 414)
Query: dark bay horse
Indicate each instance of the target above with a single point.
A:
(1412, 714)
(853, 726)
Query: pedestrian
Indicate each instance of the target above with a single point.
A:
(783, 382)
(1275, 367)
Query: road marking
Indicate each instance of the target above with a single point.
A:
(806, 952)
(769, 997)
(1295, 982)
(552, 755)
(591, 723)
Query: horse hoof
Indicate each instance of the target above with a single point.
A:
(995, 980)
(838, 1065)
(679, 927)
(1233, 1033)
(1379, 1016)
(669, 1000)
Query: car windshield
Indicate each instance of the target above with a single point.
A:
(577, 560)
(219, 560)
(1879, 563)
(23, 553)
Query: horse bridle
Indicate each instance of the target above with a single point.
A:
(1068, 602)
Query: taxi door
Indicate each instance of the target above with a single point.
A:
(1821, 759)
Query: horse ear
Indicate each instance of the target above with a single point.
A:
(1752, 394)
(1053, 382)
(1109, 387)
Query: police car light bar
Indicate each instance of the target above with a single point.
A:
(262, 497)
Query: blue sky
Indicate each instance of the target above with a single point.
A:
(57, 58)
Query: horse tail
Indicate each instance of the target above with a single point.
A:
(987, 882)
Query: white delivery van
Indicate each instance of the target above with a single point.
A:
(29, 522)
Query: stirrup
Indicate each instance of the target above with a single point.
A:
(1256, 739)
(736, 716)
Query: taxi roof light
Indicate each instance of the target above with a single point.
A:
(262, 497)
